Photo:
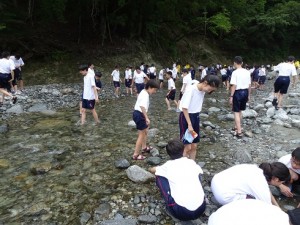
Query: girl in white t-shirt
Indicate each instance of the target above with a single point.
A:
(246, 181)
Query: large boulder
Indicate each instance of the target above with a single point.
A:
(249, 113)
(138, 174)
(281, 115)
(16, 109)
(270, 112)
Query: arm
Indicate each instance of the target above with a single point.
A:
(188, 120)
(273, 200)
(12, 75)
(285, 190)
(96, 93)
(232, 90)
(145, 114)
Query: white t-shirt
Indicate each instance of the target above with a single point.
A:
(262, 72)
(286, 69)
(171, 84)
(192, 99)
(249, 212)
(223, 72)
(91, 71)
(6, 65)
(128, 74)
(88, 84)
(174, 73)
(286, 160)
(116, 75)
(186, 80)
(161, 75)
(241, 78)
(139, 77)
(18, 62)
(203, 73)
(183, 177)
(142, 100)
(152, 69)
(237, 182)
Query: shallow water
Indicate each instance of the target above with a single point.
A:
(77, 162)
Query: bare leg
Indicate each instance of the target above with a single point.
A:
(83, 116)
(280, 98)
(187, 150)
(21, 84)
(237, 120)
(80, 107)
(142, 134)
(4, 92)
(168, 104)
(95, 115)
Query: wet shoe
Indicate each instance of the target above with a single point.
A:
(274, 102)
(14, 100)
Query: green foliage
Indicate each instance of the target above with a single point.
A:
(220, 23)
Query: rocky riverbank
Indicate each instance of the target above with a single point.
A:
(67, 174)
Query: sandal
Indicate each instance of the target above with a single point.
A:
(147, 149)
(238, 135)
(14, 100)
(138, 157)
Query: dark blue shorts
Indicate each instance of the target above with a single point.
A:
(98, 83)
(262, 80)
(152, 76)
(255, 77)
(128, 83)
(171, 95)
(88, 104)
(4, 78)
(224, 78)
(116, 84)
(17, 76)
(139, 87)
(176, 210)
(139, 120)
(195, 120)
(240, 99)
(282, 84)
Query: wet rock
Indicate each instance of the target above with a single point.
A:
(119, 222)
(213, 110)
(281, 115)
(162, 144)
(265, 120)
(153, 161)
(40, 168)
(275, 191)
(259, 107)
(249, 134)
(122, 164)
(249, 113)
(131, 123)
(243, 156)
(154, 152)
(38, 108)
(229, 117)
(268, 104)
(139, 175)
(103, 210)
(149, 219)
(84, 218)
(4, 163)
(3, 128)
(295, 123)
(270, 112)
(152, 132)
(16, 109)
(295, 111)
(208, 124)
(55, 92)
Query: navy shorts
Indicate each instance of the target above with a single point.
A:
(176, 210)
(139, 87)
(171, 95)
(128, 83)
(116, 84)
(240, 99)
(180, 95)
(152, 76)
(98, 83)
(255, 77)
(195, 120)
(17, 76)
(139, 120)
(224, 78)
(88, 104)
(282, 84)
(262, 80)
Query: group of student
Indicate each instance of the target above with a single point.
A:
(10, 76)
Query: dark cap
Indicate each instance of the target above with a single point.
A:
(294, 216)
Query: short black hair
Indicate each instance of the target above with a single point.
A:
(291, 58)
(151, 84)
(83, 67)
(212, 80)
(238, 60)
(138, 68)
(175, 149)
(296, 154)
(170, 73)
(275, 169)
(98, 74)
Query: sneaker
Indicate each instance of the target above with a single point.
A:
(274, 102)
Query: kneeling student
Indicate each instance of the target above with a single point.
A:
(179, 183)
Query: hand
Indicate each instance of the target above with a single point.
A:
(230, 100)
(97, 100)
(190, 128)
(285, 190)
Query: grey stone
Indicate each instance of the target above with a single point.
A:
(268, 104)
(56, 92)
(44, 90)
(295, 111)
(65, 91)
(201, 164)
(249, 113)
(288, 207)
(154, 152)
(84, 218)
(265, 120)
(278, 122)
(294, 95)
(16, 109)
(259, 107)
(139, 175)
(275, 191)
(208, 124)
(4, 128)
(295, 123)
(270, 112)
(243, 156)
(119, 222)
(190, 222)
(279, 154)
(204, 115)
(147, 219)
(131, 123)
(213, 100)
(229, 117)
(136, 199)
(154, 160)
(152, 132)
(103, 209)
(287, 125)
(162, 144)
(40, 168)
(249, 134)
(157, 212)
(37, 108)
(122, 164)
(281, 114)
(213, 110)
(118, 216)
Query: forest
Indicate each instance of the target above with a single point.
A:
(260, 29)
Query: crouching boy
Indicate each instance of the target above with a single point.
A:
(179, 183)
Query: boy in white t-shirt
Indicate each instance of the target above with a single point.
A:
(292, 162)
(161, 78)
(116, 80)
(90, 95)
(171, 90)
(180, 184)
(186, 81)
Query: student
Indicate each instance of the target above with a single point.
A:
(171, 90)
(249, 212)
(161, 78)
(255, 77)
(6, 76)
(90, 95)
(116, 80)
(174, 73)
(91, 72)
(249, 181)
(186, 81)
(138, 78)
(128, 80)
(179, 183)
(239, 93)
(191, 105)
(292, 162)
(18, 62)
(98, 82)
(152, 72)
(281, 85)
(193, 72)
(141, 119)
(203, 72)
(262, 77)
(224, 76)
